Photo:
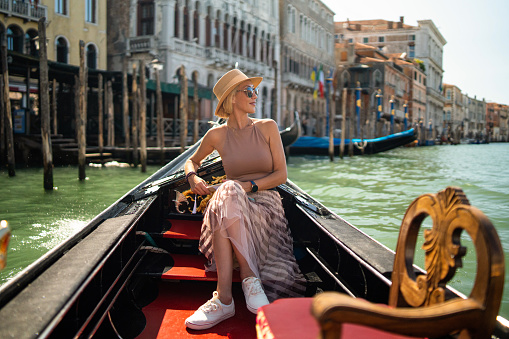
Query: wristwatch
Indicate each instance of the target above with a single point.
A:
(254, 186)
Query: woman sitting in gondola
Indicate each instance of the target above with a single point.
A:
(244, 219)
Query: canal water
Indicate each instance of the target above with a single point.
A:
(370, 192)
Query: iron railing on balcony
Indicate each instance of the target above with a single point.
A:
(24, 10)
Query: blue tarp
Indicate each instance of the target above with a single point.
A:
(323, 142)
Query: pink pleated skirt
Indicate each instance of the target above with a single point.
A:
(256, 225)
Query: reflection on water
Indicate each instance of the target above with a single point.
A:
(373, 192)
(40, 220)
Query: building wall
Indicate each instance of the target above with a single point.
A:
(208, 38)
(307, 43)
(423, 42)
(72, 27)
(417, 102)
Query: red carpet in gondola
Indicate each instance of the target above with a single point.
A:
(177, 301)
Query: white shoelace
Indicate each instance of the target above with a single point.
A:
(256, 287)
(209, 306)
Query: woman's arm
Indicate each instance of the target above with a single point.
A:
(198, 185)
(270, 131)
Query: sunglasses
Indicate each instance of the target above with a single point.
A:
(249, 91)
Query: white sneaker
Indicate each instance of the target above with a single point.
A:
(255, 296)
(210, 314)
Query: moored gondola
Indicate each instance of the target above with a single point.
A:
(135, 270)
(308, 145)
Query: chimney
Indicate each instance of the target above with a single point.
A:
(402, 19)
(390, 24)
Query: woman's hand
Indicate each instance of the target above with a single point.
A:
(198, 185)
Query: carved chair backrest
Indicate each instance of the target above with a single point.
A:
(451, 214)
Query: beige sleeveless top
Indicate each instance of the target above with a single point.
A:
(246, 154)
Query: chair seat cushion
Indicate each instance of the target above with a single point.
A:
(291, 318)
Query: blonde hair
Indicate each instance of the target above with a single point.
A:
(227, 105)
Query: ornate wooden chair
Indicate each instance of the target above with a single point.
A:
(418, 305)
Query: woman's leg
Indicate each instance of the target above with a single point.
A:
(224, 263)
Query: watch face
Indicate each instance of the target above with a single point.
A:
(254, 187)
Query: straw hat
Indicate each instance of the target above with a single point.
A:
(227, 83)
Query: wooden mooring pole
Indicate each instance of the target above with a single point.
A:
(351, 124)
(125, 108)
(7, 123)
(196, 117)
(183, 109)
(82, 126)
(160, 121)
(343, 123)
(143, 118)
(100, 113)
(134, 95)
(44, 109)
(111, 114)
(54, 107)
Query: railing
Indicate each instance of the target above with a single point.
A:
(296, 79)
(221, 57)
(141, 43)
(172, 127)
(188, 47)
(24, 10)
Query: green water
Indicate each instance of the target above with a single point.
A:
(39, 219)
(371, 192)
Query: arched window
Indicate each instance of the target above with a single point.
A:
(30, 48)
(62, 50)
(377, 79)
(91, 56)
(15, 39)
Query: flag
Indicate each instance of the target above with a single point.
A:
(315, 83)
(321, 81)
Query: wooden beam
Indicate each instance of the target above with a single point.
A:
(183, 109)
(143, 118)
(44, 109)
(125, 106)
(7, 123)
(160, 120)
(111, 115)
(134, 95)
(54, 106)
(82, 142)
(100, 112)
(196, 115)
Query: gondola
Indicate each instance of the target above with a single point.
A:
(320, 146)
(291, 134)
(135, 271)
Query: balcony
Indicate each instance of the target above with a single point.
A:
(295, 79)
(140, 44)
(220, 57)
(24, 10)
(188, 47)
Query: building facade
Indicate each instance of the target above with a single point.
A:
(475, 118)
(454, 112)
(423, 42)
(496, 121)
(307, 58)
(66, 26)
(207, 38)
